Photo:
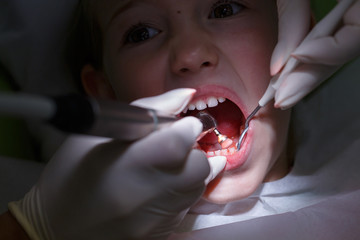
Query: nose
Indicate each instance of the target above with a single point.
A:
(192, 53)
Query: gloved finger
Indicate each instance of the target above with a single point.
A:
(71, 154)
(179, 190)
(338, 49)
(300, 82)
(294, 24)
(186, 186)
(167, 148)
(165, 213)
(181, 199)
(172, 102)
(194, 172)
(217, 164)
(189, 184)
(200, 169)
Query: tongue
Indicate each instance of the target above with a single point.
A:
(229, 120)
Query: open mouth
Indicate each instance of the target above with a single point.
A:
(230, 122)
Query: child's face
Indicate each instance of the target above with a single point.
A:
(222, 49)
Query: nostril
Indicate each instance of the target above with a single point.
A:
(191, 69)
(206, 64)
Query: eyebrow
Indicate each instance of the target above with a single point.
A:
(122, 8)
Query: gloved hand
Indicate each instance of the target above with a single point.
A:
(97, 188)
(320, 57)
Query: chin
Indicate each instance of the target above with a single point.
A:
(225, 194)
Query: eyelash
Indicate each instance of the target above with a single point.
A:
(136, 27)
(222, 2)
(142, 25)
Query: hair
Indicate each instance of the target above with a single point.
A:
(84, 44)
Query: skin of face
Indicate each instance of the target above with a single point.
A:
(222, 49)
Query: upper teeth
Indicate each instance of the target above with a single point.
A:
(201, 104)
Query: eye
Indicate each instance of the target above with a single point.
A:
(225, 8)
(140, 33)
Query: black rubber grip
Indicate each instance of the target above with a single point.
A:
(74, 114)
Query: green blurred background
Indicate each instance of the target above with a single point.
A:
(321, 7)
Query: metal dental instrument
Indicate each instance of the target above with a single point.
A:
(223, 140)
(209, 123)
(324, 28)
(77, 114)
(252, 114)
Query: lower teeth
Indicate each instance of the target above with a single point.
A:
(223, 152)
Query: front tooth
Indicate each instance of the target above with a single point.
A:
(212, 102)
(221, 99)
(210, 154)
(192, 107)
(200, 105)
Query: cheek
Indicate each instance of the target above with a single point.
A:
(249, 49)
(134, 75)
(135, 80)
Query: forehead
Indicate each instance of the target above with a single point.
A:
(106, 10)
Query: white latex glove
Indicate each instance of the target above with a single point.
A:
(294, 24)
(320, 57)
(97, 188)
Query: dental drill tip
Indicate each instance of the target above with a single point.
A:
(217, 133)
(223, 140)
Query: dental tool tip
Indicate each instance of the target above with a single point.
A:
(242, 136)
(223, 140)
(241, 139)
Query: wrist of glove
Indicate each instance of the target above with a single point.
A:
(29, 214)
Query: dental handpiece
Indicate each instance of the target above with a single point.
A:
(82, 115)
